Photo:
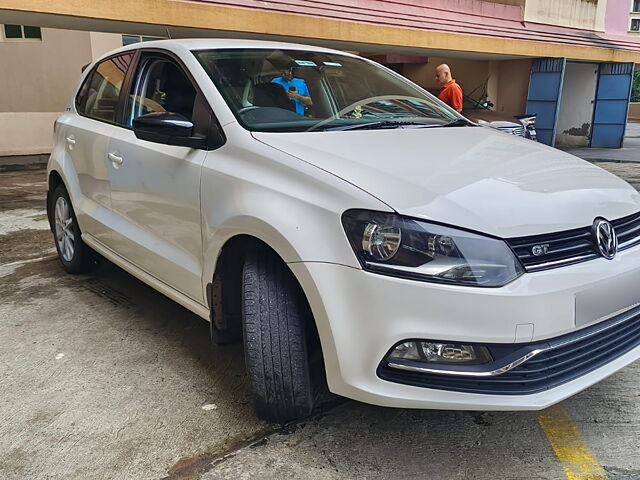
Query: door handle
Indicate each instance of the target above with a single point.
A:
(116, 159)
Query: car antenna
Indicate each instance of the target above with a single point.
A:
(168, 34)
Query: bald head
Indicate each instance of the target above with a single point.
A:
(443, 73)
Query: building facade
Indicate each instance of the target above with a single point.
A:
(571, 62)
(37, 76)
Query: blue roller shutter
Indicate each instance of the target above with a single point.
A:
(612, 104)
(545, 87)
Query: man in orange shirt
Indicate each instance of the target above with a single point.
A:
(451, 92)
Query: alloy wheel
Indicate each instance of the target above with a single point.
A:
(64, 229)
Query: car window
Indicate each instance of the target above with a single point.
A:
(98, 98)
(160, 86)
(296, 91)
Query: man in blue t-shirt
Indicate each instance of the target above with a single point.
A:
(296, 89)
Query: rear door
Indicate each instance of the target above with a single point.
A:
(86, 136)
(155, 188)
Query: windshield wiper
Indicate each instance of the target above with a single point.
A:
(381, 124)
(460, 122)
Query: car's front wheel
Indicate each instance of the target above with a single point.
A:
(75, 256)
(275, 319)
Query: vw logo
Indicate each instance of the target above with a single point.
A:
(606, 238)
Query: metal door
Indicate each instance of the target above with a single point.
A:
(545, 86)
(612, 104)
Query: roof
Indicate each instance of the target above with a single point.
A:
(225, 43)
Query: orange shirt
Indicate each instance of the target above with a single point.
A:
(451, 94)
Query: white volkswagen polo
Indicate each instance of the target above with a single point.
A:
(329, 213)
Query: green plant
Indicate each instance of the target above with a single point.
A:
(635, 88)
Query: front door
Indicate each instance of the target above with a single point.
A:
(155, 188)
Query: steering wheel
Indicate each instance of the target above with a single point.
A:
(247, 109)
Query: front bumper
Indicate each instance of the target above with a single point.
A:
(361, 315)
(521, 369)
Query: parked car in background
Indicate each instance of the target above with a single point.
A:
(484, 116)
(375, 239)
(480, 111)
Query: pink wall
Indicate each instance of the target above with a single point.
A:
(401, 12)
(470, 17)
(616, 20)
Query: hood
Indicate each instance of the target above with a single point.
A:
(470, 177)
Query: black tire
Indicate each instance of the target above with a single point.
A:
(225, 320)
(274, 318)
(83, 259)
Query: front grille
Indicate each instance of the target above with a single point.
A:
(562, 248)
(513, 130)
(566, 358)
(571, 246)
(628, 231)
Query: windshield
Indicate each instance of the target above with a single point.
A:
(297, 91)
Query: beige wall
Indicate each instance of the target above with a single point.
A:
(494, 81)
(39, 76)
(513, 85)
(102, 43)
(634, 112)
(468, 73)
(26, 133)
(587, 14)
(507, 80)
(601, 16)
(37, 79)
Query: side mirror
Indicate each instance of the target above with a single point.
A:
(169, 129)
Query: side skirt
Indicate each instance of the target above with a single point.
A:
(153, 282)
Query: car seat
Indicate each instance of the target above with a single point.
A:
(180, 94)
(271, 95)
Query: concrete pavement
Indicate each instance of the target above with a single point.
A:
(630, 151)
(633, 130)
(101, 377)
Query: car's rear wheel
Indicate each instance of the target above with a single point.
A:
(275, 317)
(75, 256)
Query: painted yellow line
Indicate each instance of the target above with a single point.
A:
(578, 461)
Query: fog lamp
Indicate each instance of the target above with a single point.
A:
(444, 353)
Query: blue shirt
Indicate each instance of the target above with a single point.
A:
(301, 89)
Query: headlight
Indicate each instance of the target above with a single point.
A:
(404, 247)
(527, 121)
